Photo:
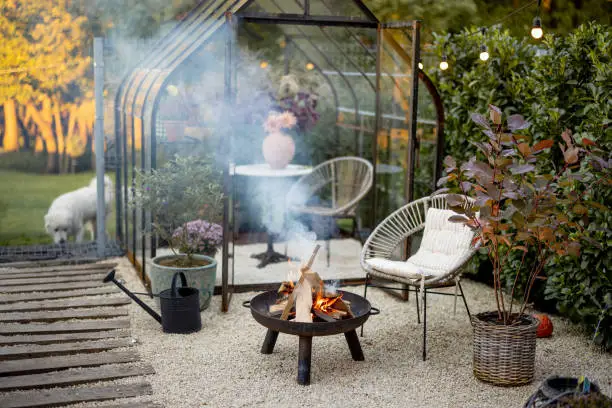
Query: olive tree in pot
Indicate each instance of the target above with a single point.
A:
(519, 206)
(185, 200)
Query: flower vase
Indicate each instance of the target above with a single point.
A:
(278, 150)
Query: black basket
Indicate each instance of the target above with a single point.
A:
(180, 307)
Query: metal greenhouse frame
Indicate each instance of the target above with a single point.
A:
(348, 47)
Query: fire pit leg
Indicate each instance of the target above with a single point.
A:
(269, 342)
(305, 351)
(354, 345)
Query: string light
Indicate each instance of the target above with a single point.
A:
(444, 63)
(484, 54)
(536, 29)
(310, 66)
(420, 65)
(263, 64)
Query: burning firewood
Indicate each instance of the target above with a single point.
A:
(303, 302)
(305, 268)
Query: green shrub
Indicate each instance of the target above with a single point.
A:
(26, 162)
(562, 83)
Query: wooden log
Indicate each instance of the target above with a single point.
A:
(52, 279)
(51, 287)
(303, 269)
(323, 316)
(61, 337)
(277, 307)
(64, 327)
(65, 304)
(63, 396)
(53, 315)
(45, 364)
(102, 290)
(70, 377)
(38, 350)
(18, 268)
(303, 302)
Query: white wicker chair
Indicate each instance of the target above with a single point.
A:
(445, 248)
(341, 182)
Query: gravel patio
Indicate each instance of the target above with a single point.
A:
(221, 366)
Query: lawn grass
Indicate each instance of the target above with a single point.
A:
(25, 199)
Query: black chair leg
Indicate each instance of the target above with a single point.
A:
(365, 294)
(416, 296)
(464, 301)
(424, 324)
(327, 245)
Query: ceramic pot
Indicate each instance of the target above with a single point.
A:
(199, 277)
(278, 150)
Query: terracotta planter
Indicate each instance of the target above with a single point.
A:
(278, 150)
(504, 355)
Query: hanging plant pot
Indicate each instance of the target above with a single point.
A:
(504, 354)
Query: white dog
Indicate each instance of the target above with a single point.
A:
(70, 212)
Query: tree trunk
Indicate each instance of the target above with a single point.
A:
(46, 131)
(11, 129)
(59, 134)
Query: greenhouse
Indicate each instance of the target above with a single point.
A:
(207, 84)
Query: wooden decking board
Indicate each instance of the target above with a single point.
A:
(62, 396)
(53, 315)
(51, 287)
(64, 327)
(46, 364)
(14, 268)
(52, 274)
(53, 279)
(61, 337)
(102, 290)
(65, 304)
(74, 376)
(38, 350)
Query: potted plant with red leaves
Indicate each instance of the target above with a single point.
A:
(517, 207)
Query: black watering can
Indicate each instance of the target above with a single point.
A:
(180, 307)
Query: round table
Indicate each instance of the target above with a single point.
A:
(263, 170)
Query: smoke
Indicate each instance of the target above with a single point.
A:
(195, 94)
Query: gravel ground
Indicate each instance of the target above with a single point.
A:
(221, 366)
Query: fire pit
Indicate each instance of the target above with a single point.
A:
(360, 309)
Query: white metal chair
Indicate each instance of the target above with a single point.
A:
(333, 189)
(444, 250)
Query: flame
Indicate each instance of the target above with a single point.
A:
(325, 304)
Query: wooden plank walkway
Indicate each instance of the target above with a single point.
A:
(63, 336)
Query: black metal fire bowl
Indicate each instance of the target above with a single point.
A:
(360, 308)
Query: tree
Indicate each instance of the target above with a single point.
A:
(43, 66)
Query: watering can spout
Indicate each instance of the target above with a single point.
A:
(111, 278)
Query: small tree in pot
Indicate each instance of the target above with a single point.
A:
(182, 190)
(516, 208)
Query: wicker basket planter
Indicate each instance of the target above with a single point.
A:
(504, 355)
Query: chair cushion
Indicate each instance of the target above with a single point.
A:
(445, 246)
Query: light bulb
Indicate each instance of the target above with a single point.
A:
(484, 55)
(443, 65)
(263, 65)
(310, 66)
(420, 65)
(536, 30)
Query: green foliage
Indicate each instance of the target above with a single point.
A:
(182, 190)
(518, 205)
(25, 161)
(564, 83)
